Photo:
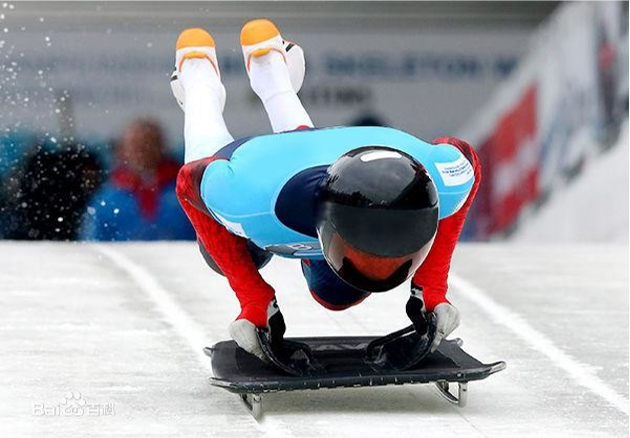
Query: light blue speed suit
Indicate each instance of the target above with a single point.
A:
(260, 191)
(264, 189)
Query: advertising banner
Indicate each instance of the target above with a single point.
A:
(556, 111)
(423, 80)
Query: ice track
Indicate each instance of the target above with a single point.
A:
(122, 327)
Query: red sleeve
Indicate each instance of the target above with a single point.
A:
(226, 249)
(432, 275)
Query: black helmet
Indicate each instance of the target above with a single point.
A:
(378, 215)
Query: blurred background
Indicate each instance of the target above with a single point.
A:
(91, 138)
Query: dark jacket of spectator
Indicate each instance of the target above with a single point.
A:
(48, 195)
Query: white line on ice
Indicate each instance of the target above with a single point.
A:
(178, 319)
(537, 340)
(173, 313)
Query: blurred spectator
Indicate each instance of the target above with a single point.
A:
(45, 198)
(138, 202)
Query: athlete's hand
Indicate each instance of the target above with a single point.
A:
(244, 334)
(447, 317)
(243, 331)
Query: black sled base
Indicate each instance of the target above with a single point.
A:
(397, 351)
(343, 365)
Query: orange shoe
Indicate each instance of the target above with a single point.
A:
(260, 37)
(194, 43)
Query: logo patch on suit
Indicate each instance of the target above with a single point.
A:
(455, 173)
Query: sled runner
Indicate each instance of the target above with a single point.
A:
(344, 362)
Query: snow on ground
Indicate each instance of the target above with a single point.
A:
(121, 327)
(593, 208)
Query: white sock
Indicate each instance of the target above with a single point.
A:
(269, 78)
(205, 131)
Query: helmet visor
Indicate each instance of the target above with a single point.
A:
(367, 271)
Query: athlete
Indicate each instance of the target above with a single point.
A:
(362, 208)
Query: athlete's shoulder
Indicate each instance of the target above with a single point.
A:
(453, 167)
(453, 176)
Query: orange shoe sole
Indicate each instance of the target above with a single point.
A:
(257, 31)
(194, 37)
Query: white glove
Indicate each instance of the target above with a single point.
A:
(244, 334)
(447, 317)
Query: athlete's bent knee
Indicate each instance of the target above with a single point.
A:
(260, 257)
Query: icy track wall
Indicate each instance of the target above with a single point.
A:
(592, 208)
(553, 117)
